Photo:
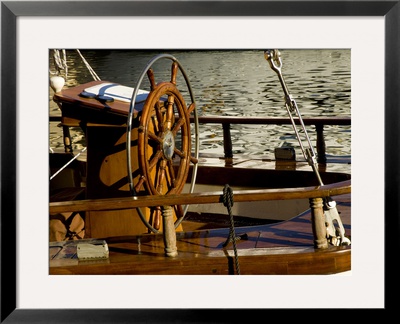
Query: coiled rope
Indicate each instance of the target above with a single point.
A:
(227, 199)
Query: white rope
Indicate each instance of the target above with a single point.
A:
(92, 72)
(60, 63)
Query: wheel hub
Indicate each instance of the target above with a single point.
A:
(168, 145)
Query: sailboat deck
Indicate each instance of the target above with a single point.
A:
(279, 248)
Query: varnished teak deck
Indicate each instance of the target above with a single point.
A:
(281, 248)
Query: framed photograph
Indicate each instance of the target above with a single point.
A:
(29, 29)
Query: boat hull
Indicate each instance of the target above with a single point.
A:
(276, 261)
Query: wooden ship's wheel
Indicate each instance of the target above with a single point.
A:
(165, 148)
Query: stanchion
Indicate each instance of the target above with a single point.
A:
(169, 232)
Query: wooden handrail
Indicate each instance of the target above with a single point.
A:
(334, 189)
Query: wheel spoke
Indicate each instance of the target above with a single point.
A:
(154, 137)
(178, 124)
(159, 117)
(153, 161)
(194, 160)
(191, 108)
(172, 174)
(181, 154)
(150, 74)
(140, 183)
(157, 217)
(161, 176)
(170, 113)
(174, 72)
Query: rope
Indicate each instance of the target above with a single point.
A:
(228, 203)
(60, 63)
(92, 72)
(71, 235)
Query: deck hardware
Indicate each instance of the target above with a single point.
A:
(335, 235)
(274, 59)
(285, 153)
(91, 251)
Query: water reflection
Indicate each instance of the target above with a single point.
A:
(236, 83)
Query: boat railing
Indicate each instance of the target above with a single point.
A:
(227, 121)
(318, 122)
(315, 195)
(103, 204)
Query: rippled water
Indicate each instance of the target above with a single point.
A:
(236, 83)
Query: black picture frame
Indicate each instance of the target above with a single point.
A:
(11, 10)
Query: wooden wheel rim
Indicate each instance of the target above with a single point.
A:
(169, 121)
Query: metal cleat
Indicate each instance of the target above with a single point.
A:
(335, 235)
